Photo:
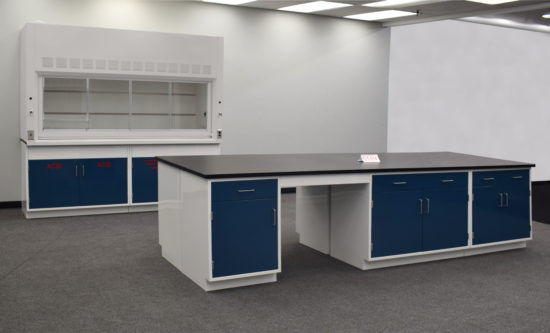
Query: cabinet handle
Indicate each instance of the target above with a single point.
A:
(243, 191)
(420, 206)
(517, 177)
(428, 203)
(83, 170)
(447, 180)
(274, 217)
(399, 183)
(501, 196)
(76, 170)
(489, 179)
(506, 204)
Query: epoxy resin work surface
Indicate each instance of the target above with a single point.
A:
(228, 166)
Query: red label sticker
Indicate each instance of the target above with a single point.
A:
(103, 164)
(152, 164)
(54, 165)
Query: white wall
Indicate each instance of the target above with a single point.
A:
(293, 83)
(471, 88)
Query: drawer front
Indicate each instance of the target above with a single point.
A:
(244, 190)
(506, 177)
(487, 178)
(516, 178)
(398, 182)
(442, 181)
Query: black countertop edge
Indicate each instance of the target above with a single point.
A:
(303, 173)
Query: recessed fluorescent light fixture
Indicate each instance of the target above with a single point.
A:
(377, 16)
(492, 2)
(229, 2)
(546, 16)
(315, 6)
(394, 3)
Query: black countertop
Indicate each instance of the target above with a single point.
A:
(232, 166)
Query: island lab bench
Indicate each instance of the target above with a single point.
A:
(219, 216)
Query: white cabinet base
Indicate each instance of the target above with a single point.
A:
(82, 210)
(241, 282)
(419, 258)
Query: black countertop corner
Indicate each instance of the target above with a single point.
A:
(233, 166)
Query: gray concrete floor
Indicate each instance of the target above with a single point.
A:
(106, 274)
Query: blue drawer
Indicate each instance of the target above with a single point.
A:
(492, 178)
(441, 181)
(398, 182)
(516, 177)
(244, 190)
(487, 178)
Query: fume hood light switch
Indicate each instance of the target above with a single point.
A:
(30, 135)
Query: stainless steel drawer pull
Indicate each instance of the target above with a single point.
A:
(420, 212)
(447, 180)
(501, 197)
(242, 191)
(274, 217)
(399, 183)
(506, 195)
(489, 178)
(517, 177)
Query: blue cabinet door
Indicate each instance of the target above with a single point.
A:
(487, 206)
(103, 181)
(517, 220)
(396, 223)
(501, 207)
(486, 215)
(517, 204)
(53, 183)
(445, 218)
(144, 179)
(244, 236)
